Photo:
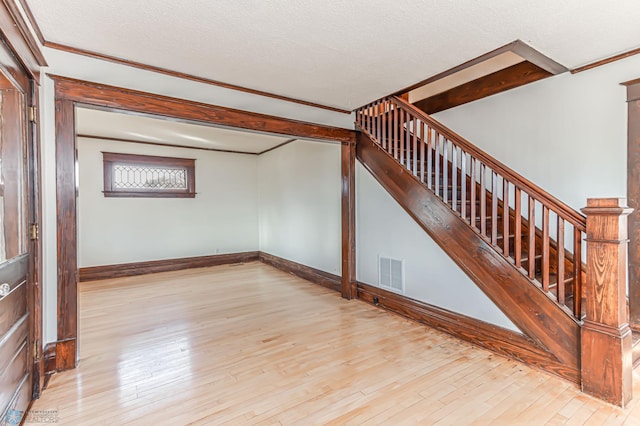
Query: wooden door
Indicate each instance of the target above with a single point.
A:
(16, 211)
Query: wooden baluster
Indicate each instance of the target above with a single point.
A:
(395, 131)
(407, 133)
(400, 135)
(445, 169)
(436, 147)
(506, 217)
(454, 177)
(545, 248)
(369, 120)
(405, 145)
(532, 238)
(422, 151)
(429, 158)
(472, 197)
(379, 122)
(606, 359)
(463, 184)
(415, 146)
(384, 113)
(560, 266)
(391, 139)
(517, 238)
(483, 200)
(494, 208)
(372, 112)
(577, 272)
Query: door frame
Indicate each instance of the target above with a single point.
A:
(28, 58)
(70, 93)
(633, 199)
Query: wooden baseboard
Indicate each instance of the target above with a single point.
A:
(497, 339)
(66, 355)
(104, 272)
(316, 276)
(49, 361)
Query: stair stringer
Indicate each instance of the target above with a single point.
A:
(542, 321)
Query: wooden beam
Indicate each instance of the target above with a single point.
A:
(71, 92)
(518, 47)
(133, 101)
(606, 355)
(499, 81)
(348, 160)
(67, 233)
(633, 199)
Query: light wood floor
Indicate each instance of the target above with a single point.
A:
(249, 344)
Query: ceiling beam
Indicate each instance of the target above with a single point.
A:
(499, 81)
(144, 103)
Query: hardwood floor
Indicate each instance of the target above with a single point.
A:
(249, 344)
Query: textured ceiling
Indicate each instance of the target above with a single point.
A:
(342, 53)
(92, 122)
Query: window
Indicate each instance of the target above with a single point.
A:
(128, 175)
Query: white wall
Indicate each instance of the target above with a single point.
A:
(383, 228)
(222, 218)
(300, 220)
(567, 134)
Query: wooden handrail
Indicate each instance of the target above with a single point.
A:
(574, 217)
(479, 189)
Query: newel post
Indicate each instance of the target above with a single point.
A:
(606, 360)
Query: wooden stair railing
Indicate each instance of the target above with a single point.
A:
(533, 230)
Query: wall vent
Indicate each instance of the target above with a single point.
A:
(391, 273)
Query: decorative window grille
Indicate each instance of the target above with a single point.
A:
(127, 175)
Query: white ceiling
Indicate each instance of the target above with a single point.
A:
(342, 53)
(91, 122)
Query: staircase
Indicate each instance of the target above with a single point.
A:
(514, 240)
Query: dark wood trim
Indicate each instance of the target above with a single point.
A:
(488, 85)
(287, 142)
(66, 355)
(633, 89)
(105, 272)
(49, 367)
(144, 103)
(524, 304)
(185, 76)
(104, 138)
(20, 39)
(497, 339)
(32, 21)
(518, 47)
(606, 61)
(66, 220)
(348, 222)
(110, 159)
(36, 245)
(70, 92)
(308, 273)
(633, 199)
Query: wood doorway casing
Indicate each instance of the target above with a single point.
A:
(633, 199)
(70, 92)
